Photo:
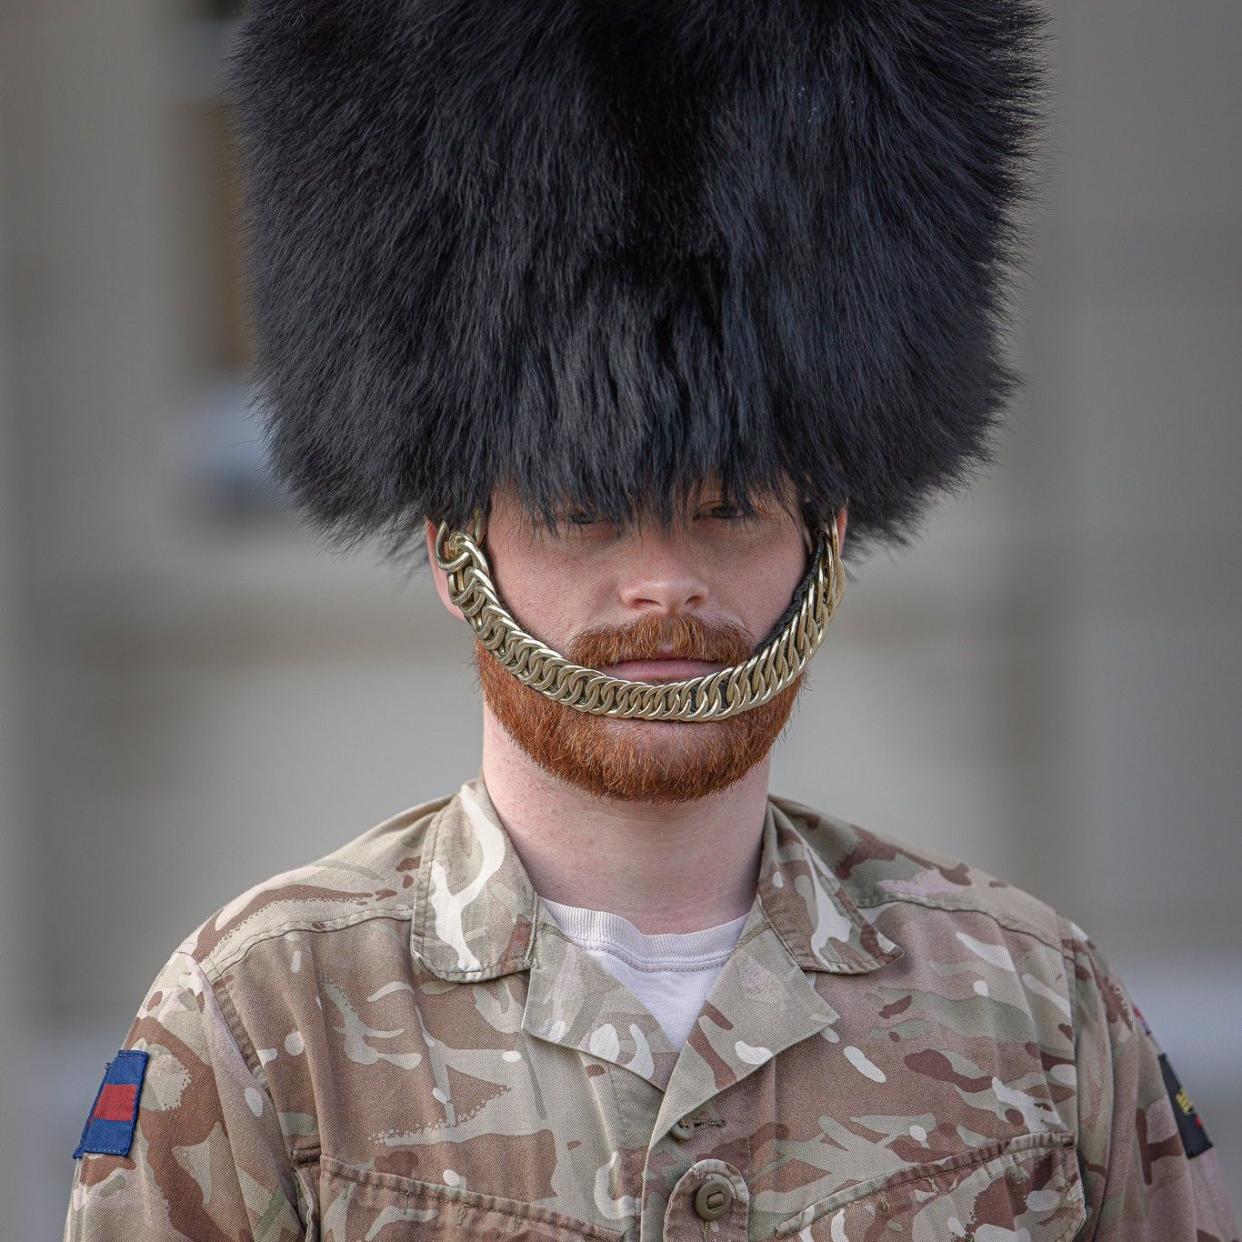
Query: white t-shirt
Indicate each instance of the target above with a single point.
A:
(670, 972)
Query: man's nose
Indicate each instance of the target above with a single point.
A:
(663, 575)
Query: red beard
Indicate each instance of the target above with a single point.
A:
(639, 760)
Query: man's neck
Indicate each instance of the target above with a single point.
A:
(666, 867)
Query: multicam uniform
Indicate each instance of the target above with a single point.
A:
(398, 1042)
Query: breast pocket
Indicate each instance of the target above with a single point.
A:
(357, 1203)
(1023, 1189)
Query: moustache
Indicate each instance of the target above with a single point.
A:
(654, 636)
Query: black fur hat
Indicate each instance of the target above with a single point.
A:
(603, 250)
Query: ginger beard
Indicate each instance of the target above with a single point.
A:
(639, 760)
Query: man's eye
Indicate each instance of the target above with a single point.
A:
(584, 524)
(726, 513)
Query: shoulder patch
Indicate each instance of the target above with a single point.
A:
(109, 1130)
(1189, 1126)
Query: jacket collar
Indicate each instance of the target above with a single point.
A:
(476, 914)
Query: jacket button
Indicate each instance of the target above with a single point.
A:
(713, 1199)
(682, 1129)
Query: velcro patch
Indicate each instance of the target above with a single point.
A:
(1194, 1136)
(109, 1130)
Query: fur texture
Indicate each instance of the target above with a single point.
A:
(602, 250)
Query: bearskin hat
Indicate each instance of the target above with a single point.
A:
(603, 250)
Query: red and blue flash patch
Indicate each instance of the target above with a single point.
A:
(109, 1130)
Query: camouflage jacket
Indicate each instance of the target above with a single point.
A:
(398, 1042)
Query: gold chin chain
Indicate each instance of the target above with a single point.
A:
(714, 696)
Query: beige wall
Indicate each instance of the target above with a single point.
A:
(1046, 685)
(16, 987)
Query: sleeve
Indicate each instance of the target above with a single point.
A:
(1150, 1172)
(204, 1158)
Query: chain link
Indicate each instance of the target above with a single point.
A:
(713, 696)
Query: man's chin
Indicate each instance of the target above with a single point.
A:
(645, 768)
(657, 761)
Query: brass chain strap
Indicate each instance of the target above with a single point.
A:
(713, 696)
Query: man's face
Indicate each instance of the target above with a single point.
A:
(646, 604)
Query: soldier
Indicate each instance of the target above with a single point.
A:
(623, 311)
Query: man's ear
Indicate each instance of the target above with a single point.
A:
(842, 519)
(439, 577)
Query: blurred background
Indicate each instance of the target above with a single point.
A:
(193, 697)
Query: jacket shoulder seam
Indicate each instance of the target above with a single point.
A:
(241, 1037)
(215, 967)
(870, 900)
(249, 1054)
